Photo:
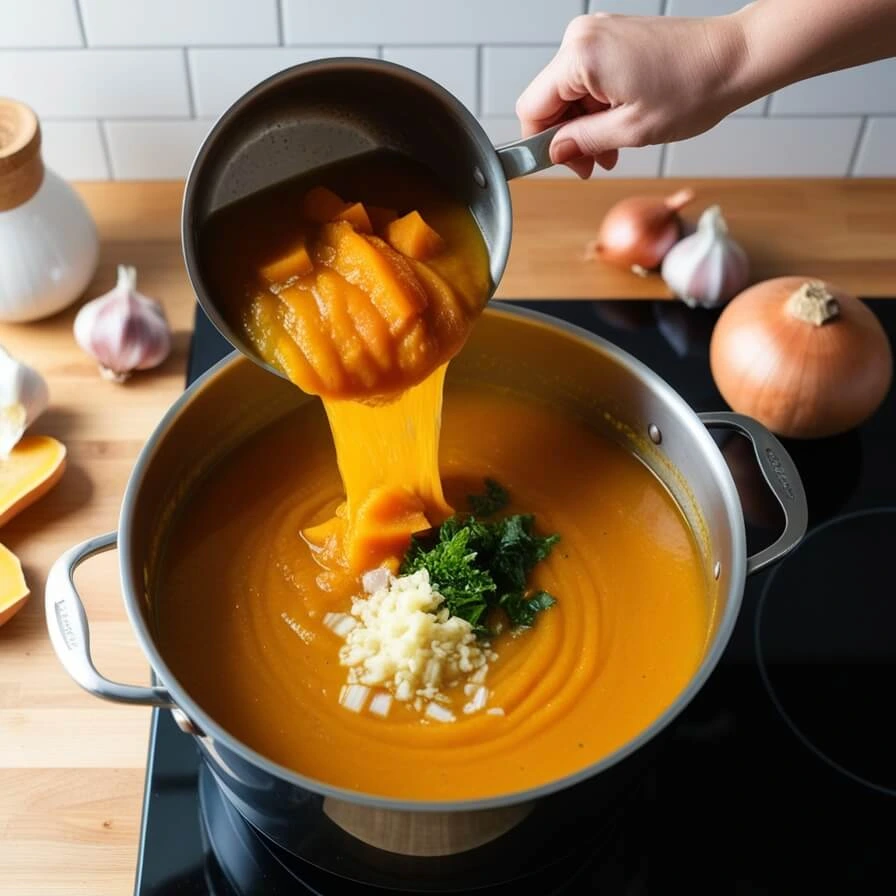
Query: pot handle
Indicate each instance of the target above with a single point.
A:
(528, 155)
(783, 479)
(70, 635)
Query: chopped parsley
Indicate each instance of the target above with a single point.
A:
(494, 499)
(480, 567)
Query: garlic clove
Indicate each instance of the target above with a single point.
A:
(23, 398)
(123, 329)
(707, 268)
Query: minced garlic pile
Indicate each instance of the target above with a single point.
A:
(399, 641)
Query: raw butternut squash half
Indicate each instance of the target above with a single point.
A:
(33, 467)
(13, 590)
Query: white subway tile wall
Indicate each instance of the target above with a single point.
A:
(50, 23)
(74, 149)
(166, 23)
(767, 147)
(145, 150)
(427, 22)
(877, 153)
(127, 89)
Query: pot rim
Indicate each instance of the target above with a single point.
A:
(494, 177)
(211, 729)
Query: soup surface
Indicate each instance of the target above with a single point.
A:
(241, 603)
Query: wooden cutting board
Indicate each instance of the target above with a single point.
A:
(71, 766)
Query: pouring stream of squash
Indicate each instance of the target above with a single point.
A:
(364, 305)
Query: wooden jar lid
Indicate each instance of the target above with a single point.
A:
(21, 166)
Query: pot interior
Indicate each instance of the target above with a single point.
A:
(520, 351)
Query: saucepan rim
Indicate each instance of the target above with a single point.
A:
(132, 592)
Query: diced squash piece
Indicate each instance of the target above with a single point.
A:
(383, 526)
(380, 217)
(296, 264)
(331, 293)
(412, 236)
(301, 319)
(372, 265)
(321, 205)
(356, 215)
(372, 329)
(33, 467)
(445, 313)
(13, 588)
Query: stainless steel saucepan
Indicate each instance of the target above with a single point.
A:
(318, 113)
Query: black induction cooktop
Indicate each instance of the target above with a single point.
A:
(780, 777)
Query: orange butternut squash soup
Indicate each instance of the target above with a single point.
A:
(395, 597)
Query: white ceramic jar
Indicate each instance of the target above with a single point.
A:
(48, 241)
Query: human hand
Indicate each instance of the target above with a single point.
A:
(624, 81)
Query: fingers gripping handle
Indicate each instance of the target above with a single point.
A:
(70, 634)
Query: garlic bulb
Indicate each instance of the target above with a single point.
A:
(706, 268)
(124, 330)
(23, 398)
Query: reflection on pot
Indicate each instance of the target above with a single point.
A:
(687, 330)
(628, 316)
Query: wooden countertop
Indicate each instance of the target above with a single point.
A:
(72, 766)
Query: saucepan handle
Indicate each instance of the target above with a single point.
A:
(783, 479)
(528, 155)
(70, 633)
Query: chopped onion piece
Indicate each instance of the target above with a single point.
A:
(478, 702)
(495, 711)
(380, 704)
(340, 623)
(375, 579)
(354, 696)
(439, 713)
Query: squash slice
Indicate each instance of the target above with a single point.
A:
(13, 589)
(33, 467)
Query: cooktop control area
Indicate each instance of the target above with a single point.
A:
(779, 776)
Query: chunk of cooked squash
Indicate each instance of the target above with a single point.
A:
(370, 264)
(295, 264)
(383, 526)
(356, 215)
(13, 588)
(33, 467)
(321, 205)
(412, 236)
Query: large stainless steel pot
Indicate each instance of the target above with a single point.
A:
(519, 349)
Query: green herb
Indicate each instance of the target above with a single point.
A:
(481, 566)
(494, 499)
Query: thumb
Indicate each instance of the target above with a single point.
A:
(590, 135)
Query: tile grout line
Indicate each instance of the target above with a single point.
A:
(191, 100)
(857, 148)
(280, 37)
(478, 81)
(80, 17)
(104, 143)
(663, 160)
